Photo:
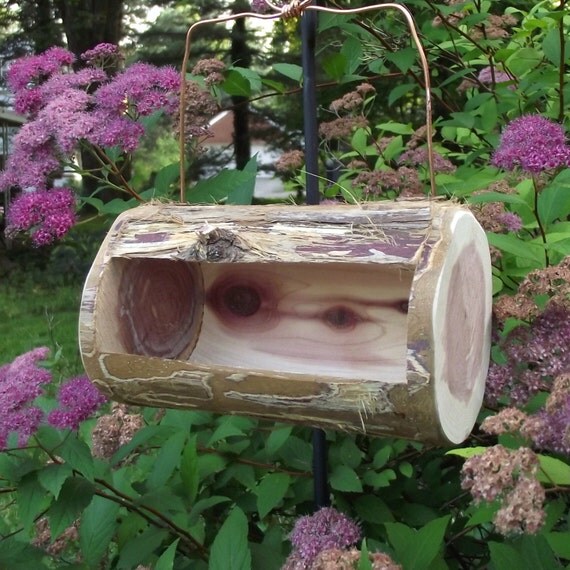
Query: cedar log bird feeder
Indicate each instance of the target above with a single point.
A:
(371, 318)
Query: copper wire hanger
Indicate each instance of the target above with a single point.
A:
(292, 10)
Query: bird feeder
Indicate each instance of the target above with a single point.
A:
(372, 318)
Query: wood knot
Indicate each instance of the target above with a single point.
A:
(218, 244)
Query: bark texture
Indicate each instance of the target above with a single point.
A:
(372, 318)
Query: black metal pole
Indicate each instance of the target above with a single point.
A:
(308, 39)
(308, 42)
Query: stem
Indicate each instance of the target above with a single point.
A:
(561, 64)
(539, 222)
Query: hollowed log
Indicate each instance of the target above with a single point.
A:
(373, 318)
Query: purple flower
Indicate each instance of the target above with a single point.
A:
(325, 529)
(536, 354)
(511, 221)
(78, 399)
(20, 384)
(532, 143)
(47, 214)
(102, 55)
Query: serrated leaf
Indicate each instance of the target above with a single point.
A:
(74, 496)
(166, 560)
(230, 549)
(251, 76)
(236, 84)
(138, 550)
(290, 70)
(165, 177)
(344, 478)
(204, 505)
(335, 66)
(554, 203)
(277, 439)
(78, 455)
(167, 460)
(551, 46)
(97, 528)
(560, 543)
(189, 470)
(364, 561)
(52, 477)
(270, 492)
(504, 556)
(515, 246)
(416, 550)
(404, 59)
(31, 500)
(553, 470)
(242, 192)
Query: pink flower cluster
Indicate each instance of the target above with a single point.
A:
(533, 144)
(78, 399)
(21, 382)
(69, 109)
(47, 214)
(324, 530)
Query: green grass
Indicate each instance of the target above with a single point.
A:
(33, 315)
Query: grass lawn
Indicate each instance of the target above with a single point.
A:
(35, 315)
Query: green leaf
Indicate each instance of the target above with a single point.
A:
(482, 514)
(551, 46)
(406, 469)
(78, 455)
(486, 197)
(52, 477)
(270, 492)
(373, 509)
(416, 550)
(236, 84)
(230, 550)
(31, 500)
(218, 187)
(344, 478)
(74, 496)
(553, 470)
(523, 60)
(554, 203)
(536, 553)
(379, 480)
(116, 206)
(505, 557)
(523, 249)
(167, 460)
(165, 178)
(404, 59)
(290, 70)
(251, 76)
(242, 192)
(138, 550)
(189, 470)
(204, 505)
(276, 439)
(382, 456)
(335, 66)
(396, 128)
(97, 528)
(398, 92)
(467, 452)
(560, 543)
(364, 560)
(359, 141)
(166, 560)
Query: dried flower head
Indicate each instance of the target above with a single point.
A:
(212, 69)
(508, 420)
(54, 546)
(508, 476)
(532, 143)
(115, 430)
(342, 127)
(200, 109)
(325, 529)
(290, 161)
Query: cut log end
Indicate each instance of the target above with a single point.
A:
(462, 327)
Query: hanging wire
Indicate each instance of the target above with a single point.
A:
(292, 10)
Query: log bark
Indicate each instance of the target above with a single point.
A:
(372, 318)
